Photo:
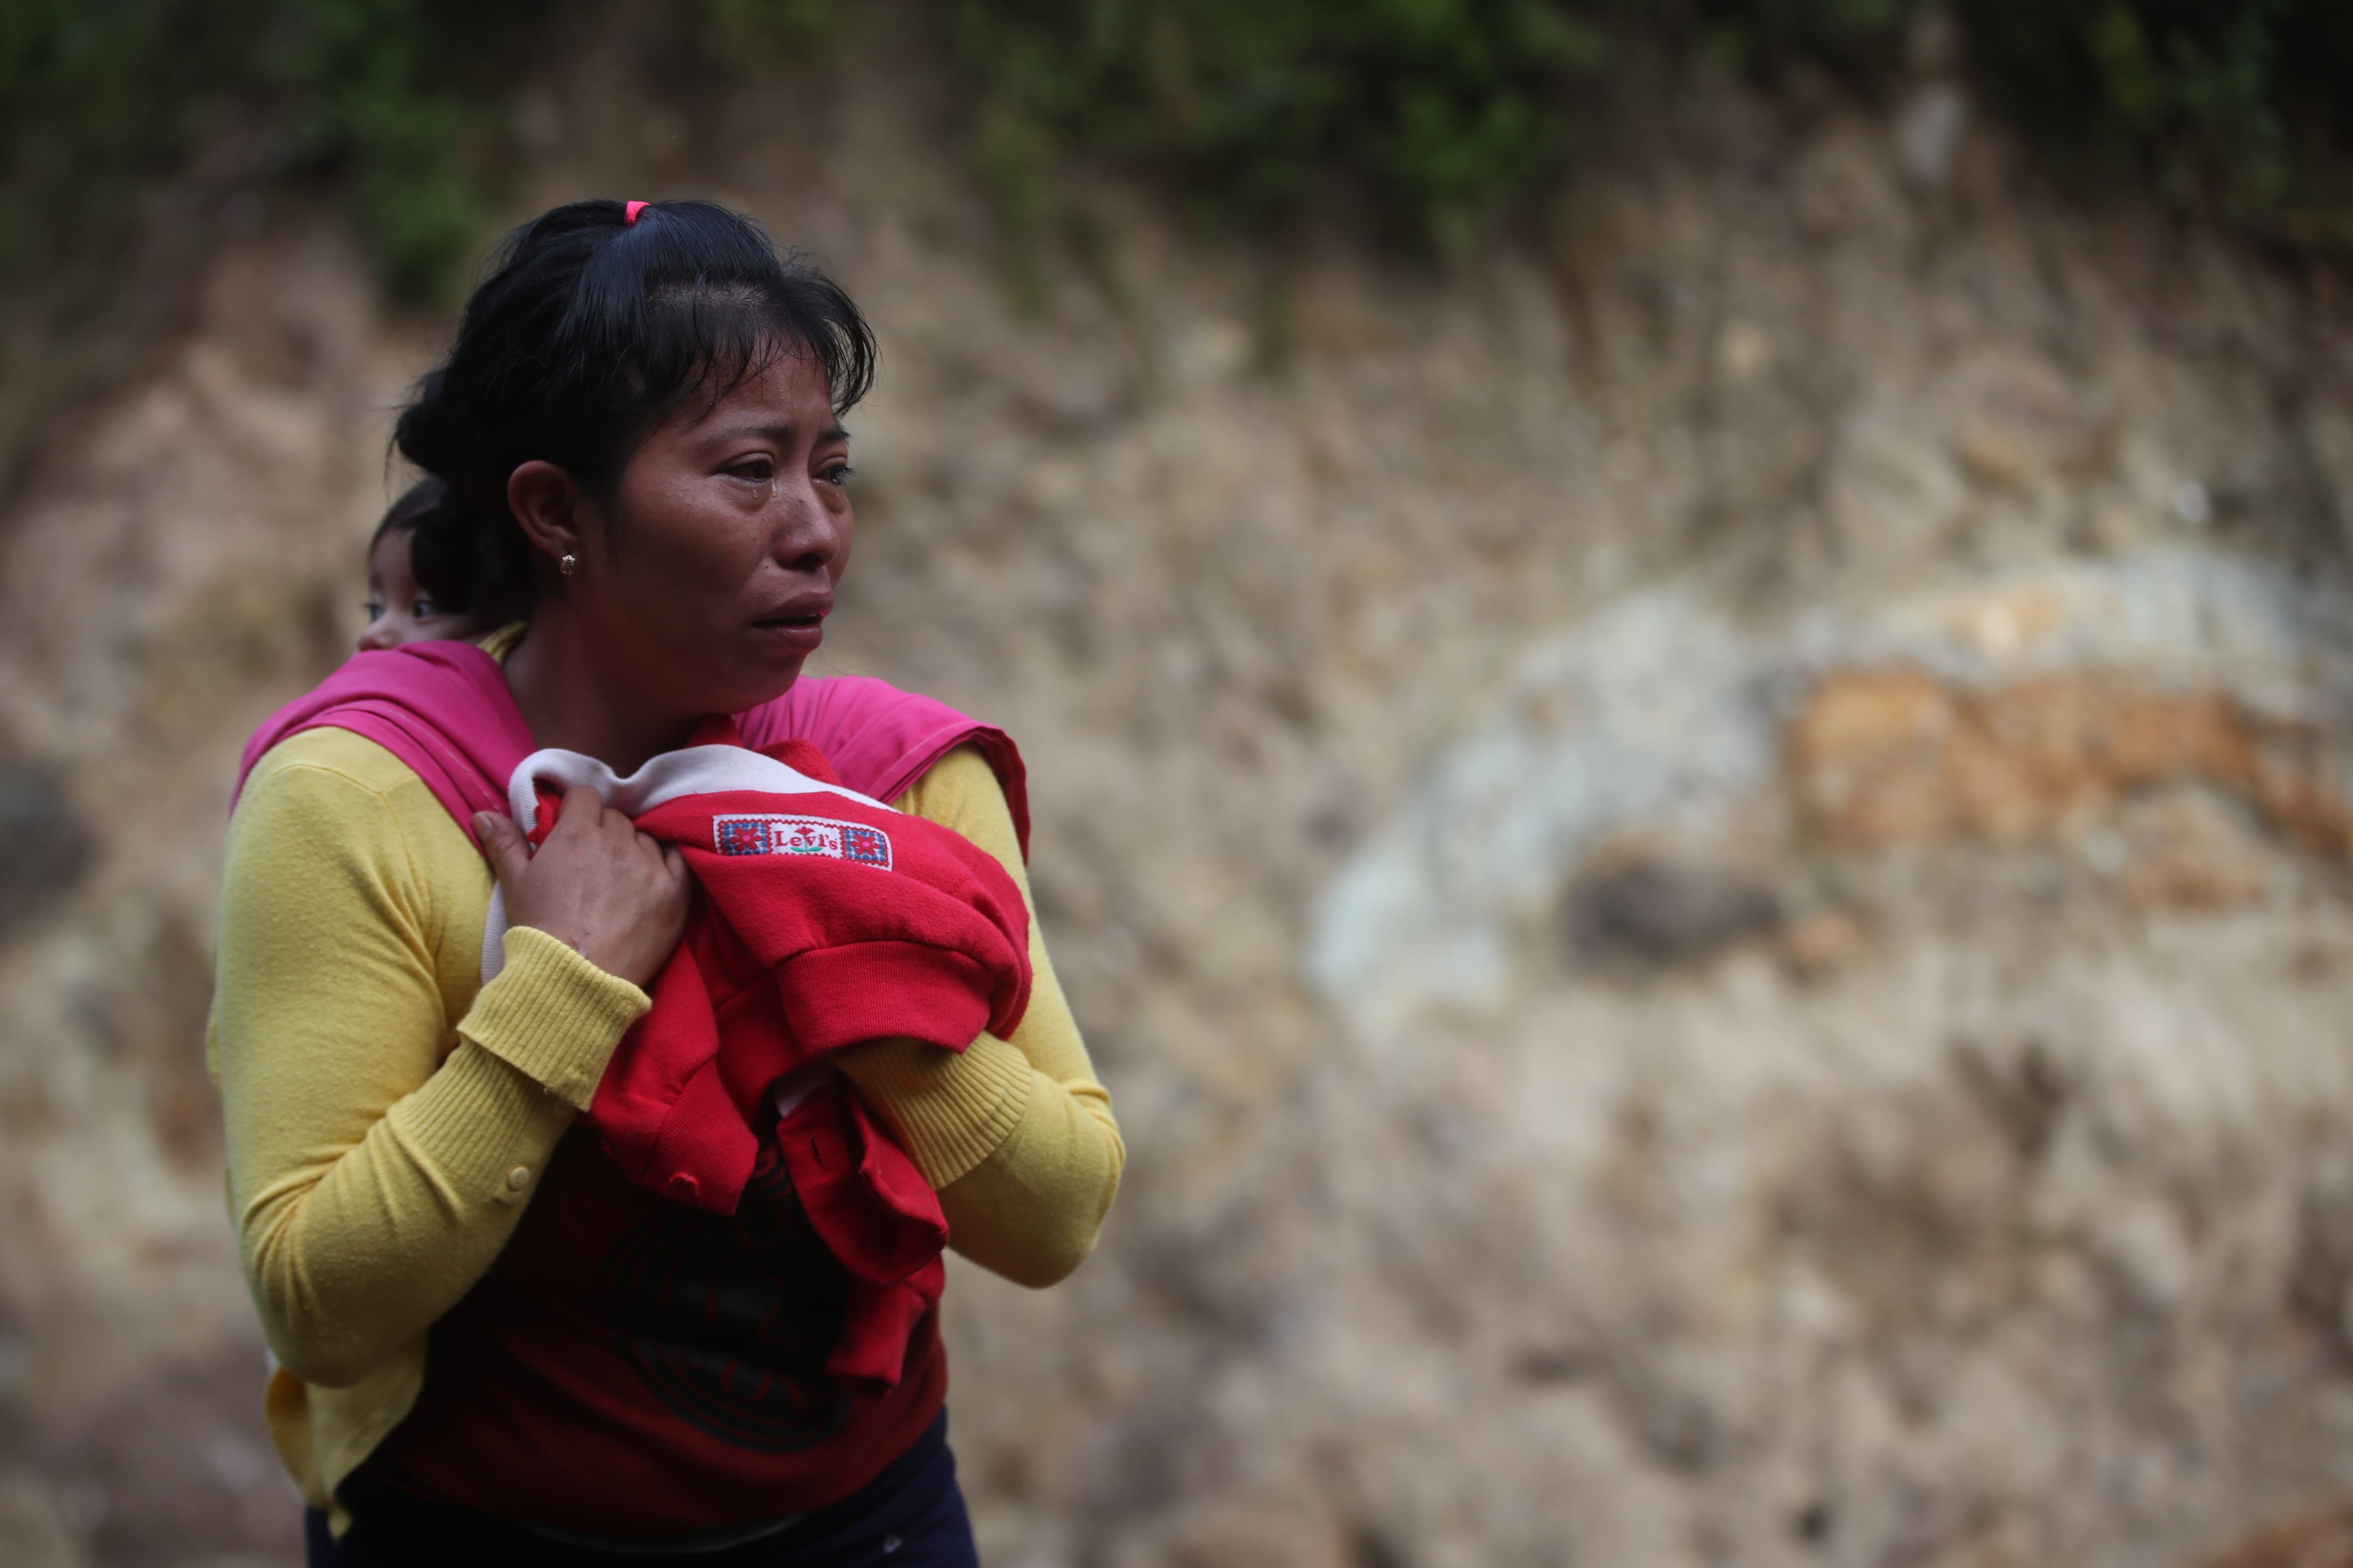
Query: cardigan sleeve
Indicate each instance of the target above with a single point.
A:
(380, 1153)
(1017, 1135)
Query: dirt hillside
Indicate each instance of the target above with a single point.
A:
(1707, 855)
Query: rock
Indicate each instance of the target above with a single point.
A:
(2328, 440)
(1657, 912)
(2019, 424)
(1993, 453)
(33, 1529)
(2186, 850)
(1867, 752)
(1928, 134)
(1824, 941)
(2323, 1538)
(2321, 1281)
(1880, 758)
(1894, 492)
(45, 846)
(186, 1468)
(1338, 654)
(1261, 1533)
(1743, 352)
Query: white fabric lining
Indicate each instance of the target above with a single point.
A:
(692, 770)
(494, 935)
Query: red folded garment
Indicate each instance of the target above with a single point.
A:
(826, 918)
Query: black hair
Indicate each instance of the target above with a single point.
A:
(406, 514)
(443, 552)
(589, 332)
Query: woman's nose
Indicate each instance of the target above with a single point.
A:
(812, 536)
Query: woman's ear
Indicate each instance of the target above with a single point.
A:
(546, 502)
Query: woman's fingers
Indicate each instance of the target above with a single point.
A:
(669, 869)
(582, 810)
(504, 843)
(618, 896)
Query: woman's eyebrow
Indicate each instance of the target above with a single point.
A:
(780, 434)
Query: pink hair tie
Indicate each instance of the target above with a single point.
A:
(630, 211)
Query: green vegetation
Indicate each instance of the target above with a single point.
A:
(373, 89)
(2239, 112)
(1427, 117)
(1439, 108)
(134, 133)
(1441, 111)
(106, 102)
(94, 95)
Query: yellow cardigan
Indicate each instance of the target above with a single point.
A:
(388, 1113)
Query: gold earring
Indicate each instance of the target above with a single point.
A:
(568, 565)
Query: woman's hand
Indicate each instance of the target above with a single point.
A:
(597, 884)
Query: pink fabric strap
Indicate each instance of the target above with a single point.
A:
(444, 709)
(631, 212)
(880, 739)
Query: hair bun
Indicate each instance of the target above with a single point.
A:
(424, 433)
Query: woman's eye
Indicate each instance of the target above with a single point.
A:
(839, 474)
(758, 471)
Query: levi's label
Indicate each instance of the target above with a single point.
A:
(820, 836)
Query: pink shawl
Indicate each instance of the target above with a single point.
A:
(444, 709)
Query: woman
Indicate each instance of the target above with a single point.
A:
(493, 1346)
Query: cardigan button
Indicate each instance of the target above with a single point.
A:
(519, 1178)
(685, 1186)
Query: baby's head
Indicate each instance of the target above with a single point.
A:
(400, 608)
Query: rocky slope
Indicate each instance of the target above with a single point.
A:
(1706, 853)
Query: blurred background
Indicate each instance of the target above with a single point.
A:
(1688, 673)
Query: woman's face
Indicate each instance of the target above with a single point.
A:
(707, 581)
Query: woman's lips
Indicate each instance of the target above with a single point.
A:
(804, 630)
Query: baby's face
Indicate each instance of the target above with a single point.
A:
(399, 610)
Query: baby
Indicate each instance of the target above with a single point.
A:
(400, 609)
